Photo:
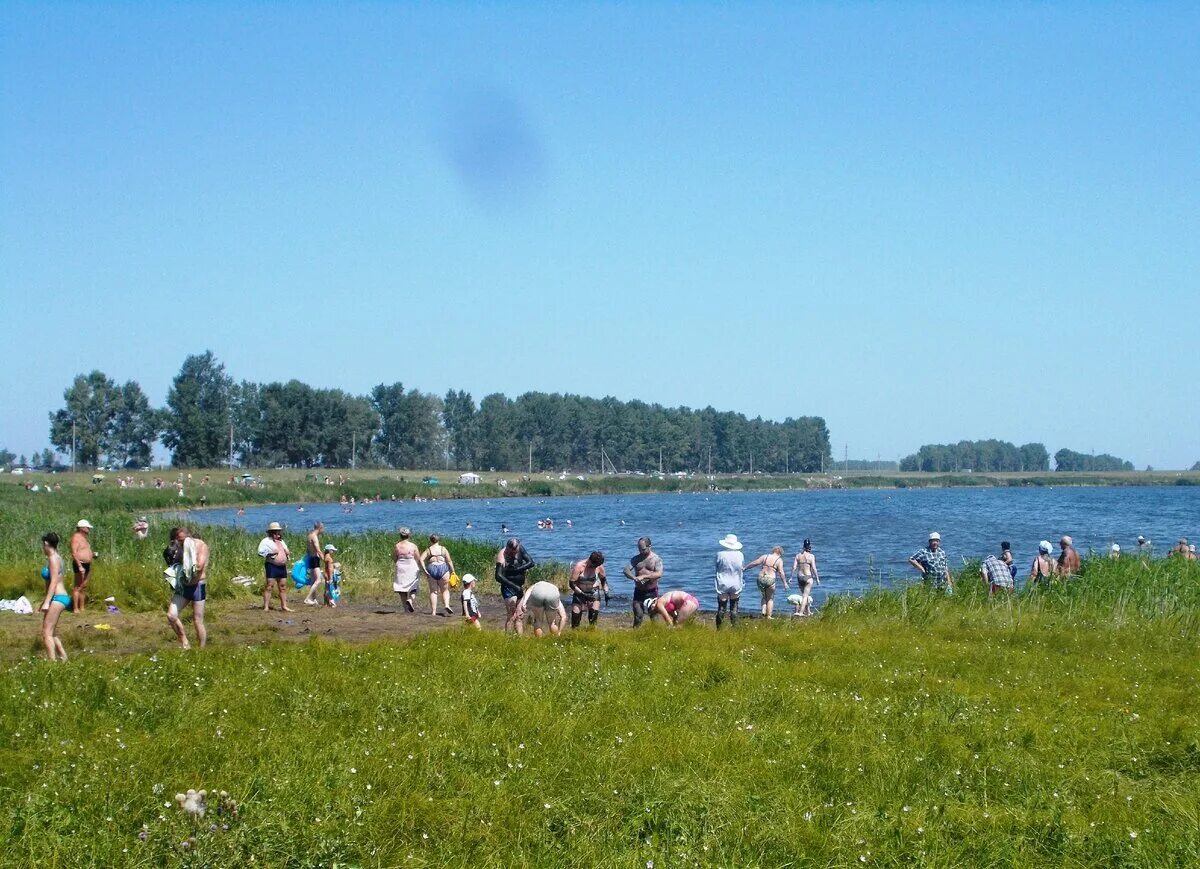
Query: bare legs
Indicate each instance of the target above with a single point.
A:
(282, 595)
(511, 621)
(54, 646)
(176, 623)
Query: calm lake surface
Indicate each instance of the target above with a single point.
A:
(860, 537)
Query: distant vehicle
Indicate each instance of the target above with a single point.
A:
(431, 481)
(248, 480)
(18, 470)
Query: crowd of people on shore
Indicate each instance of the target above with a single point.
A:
(540, 604)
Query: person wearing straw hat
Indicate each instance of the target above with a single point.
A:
(730, 578)
(934, 564)
(82, 557)
(274, 553)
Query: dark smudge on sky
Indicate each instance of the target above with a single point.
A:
(493, 147)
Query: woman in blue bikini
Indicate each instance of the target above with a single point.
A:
(57, 598)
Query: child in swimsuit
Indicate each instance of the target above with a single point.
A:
(57, 598)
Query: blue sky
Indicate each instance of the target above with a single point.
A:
(924, 222)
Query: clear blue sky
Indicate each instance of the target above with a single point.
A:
(924, 222)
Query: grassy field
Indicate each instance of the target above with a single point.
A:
(1057, 728)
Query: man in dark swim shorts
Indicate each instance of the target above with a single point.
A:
(645, 570)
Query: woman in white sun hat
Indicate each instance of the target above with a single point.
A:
(730, 580)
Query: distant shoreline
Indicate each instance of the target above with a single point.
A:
(295, 487)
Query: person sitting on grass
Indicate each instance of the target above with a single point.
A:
(675, 607)
(543, 604)
(57, 599)
(588, 582)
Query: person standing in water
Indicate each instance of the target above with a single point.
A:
(57, 598)
(588, 582)
(1068, 558)
(804, 569)
(934, 564)
(770, 568)
(730, 580)
(1041, 571)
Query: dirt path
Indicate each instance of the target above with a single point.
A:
(239, 623)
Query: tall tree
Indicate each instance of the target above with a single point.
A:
(458, 418)
(7, 458)
(198, 413)
(133, 429)
(410, 433)
(92, 401)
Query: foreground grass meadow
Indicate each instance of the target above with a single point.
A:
(1056, 728)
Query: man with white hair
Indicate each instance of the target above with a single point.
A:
(934, 564)
(1068, 558)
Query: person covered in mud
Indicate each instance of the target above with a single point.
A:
(588, 583)
(512, 563)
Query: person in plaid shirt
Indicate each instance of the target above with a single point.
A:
(933, 563)
(996, 573)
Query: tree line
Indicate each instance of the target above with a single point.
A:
(995, 455)
(210, 419)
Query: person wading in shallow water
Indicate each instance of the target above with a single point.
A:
(730, 578)
(1068, 558)
(804, 569)
(644, 570)
(933, 564)
(770, 568)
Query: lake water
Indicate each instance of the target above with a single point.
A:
(860, 537)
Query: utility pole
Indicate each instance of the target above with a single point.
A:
(231, 447)
(660, 460)
(531, 457)
(845, 457)
(353, 447)
(72, 445)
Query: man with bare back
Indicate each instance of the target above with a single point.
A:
(313, 562)
(81, 563)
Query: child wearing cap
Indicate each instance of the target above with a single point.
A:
(333, 576)
(470, 605)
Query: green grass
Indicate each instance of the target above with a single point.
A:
(901, 728)
(906, 728)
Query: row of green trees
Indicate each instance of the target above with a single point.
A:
(209, 418)
(1069, 460)
(994, 455)
(989, 455)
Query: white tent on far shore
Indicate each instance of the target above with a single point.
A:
(469, 479)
